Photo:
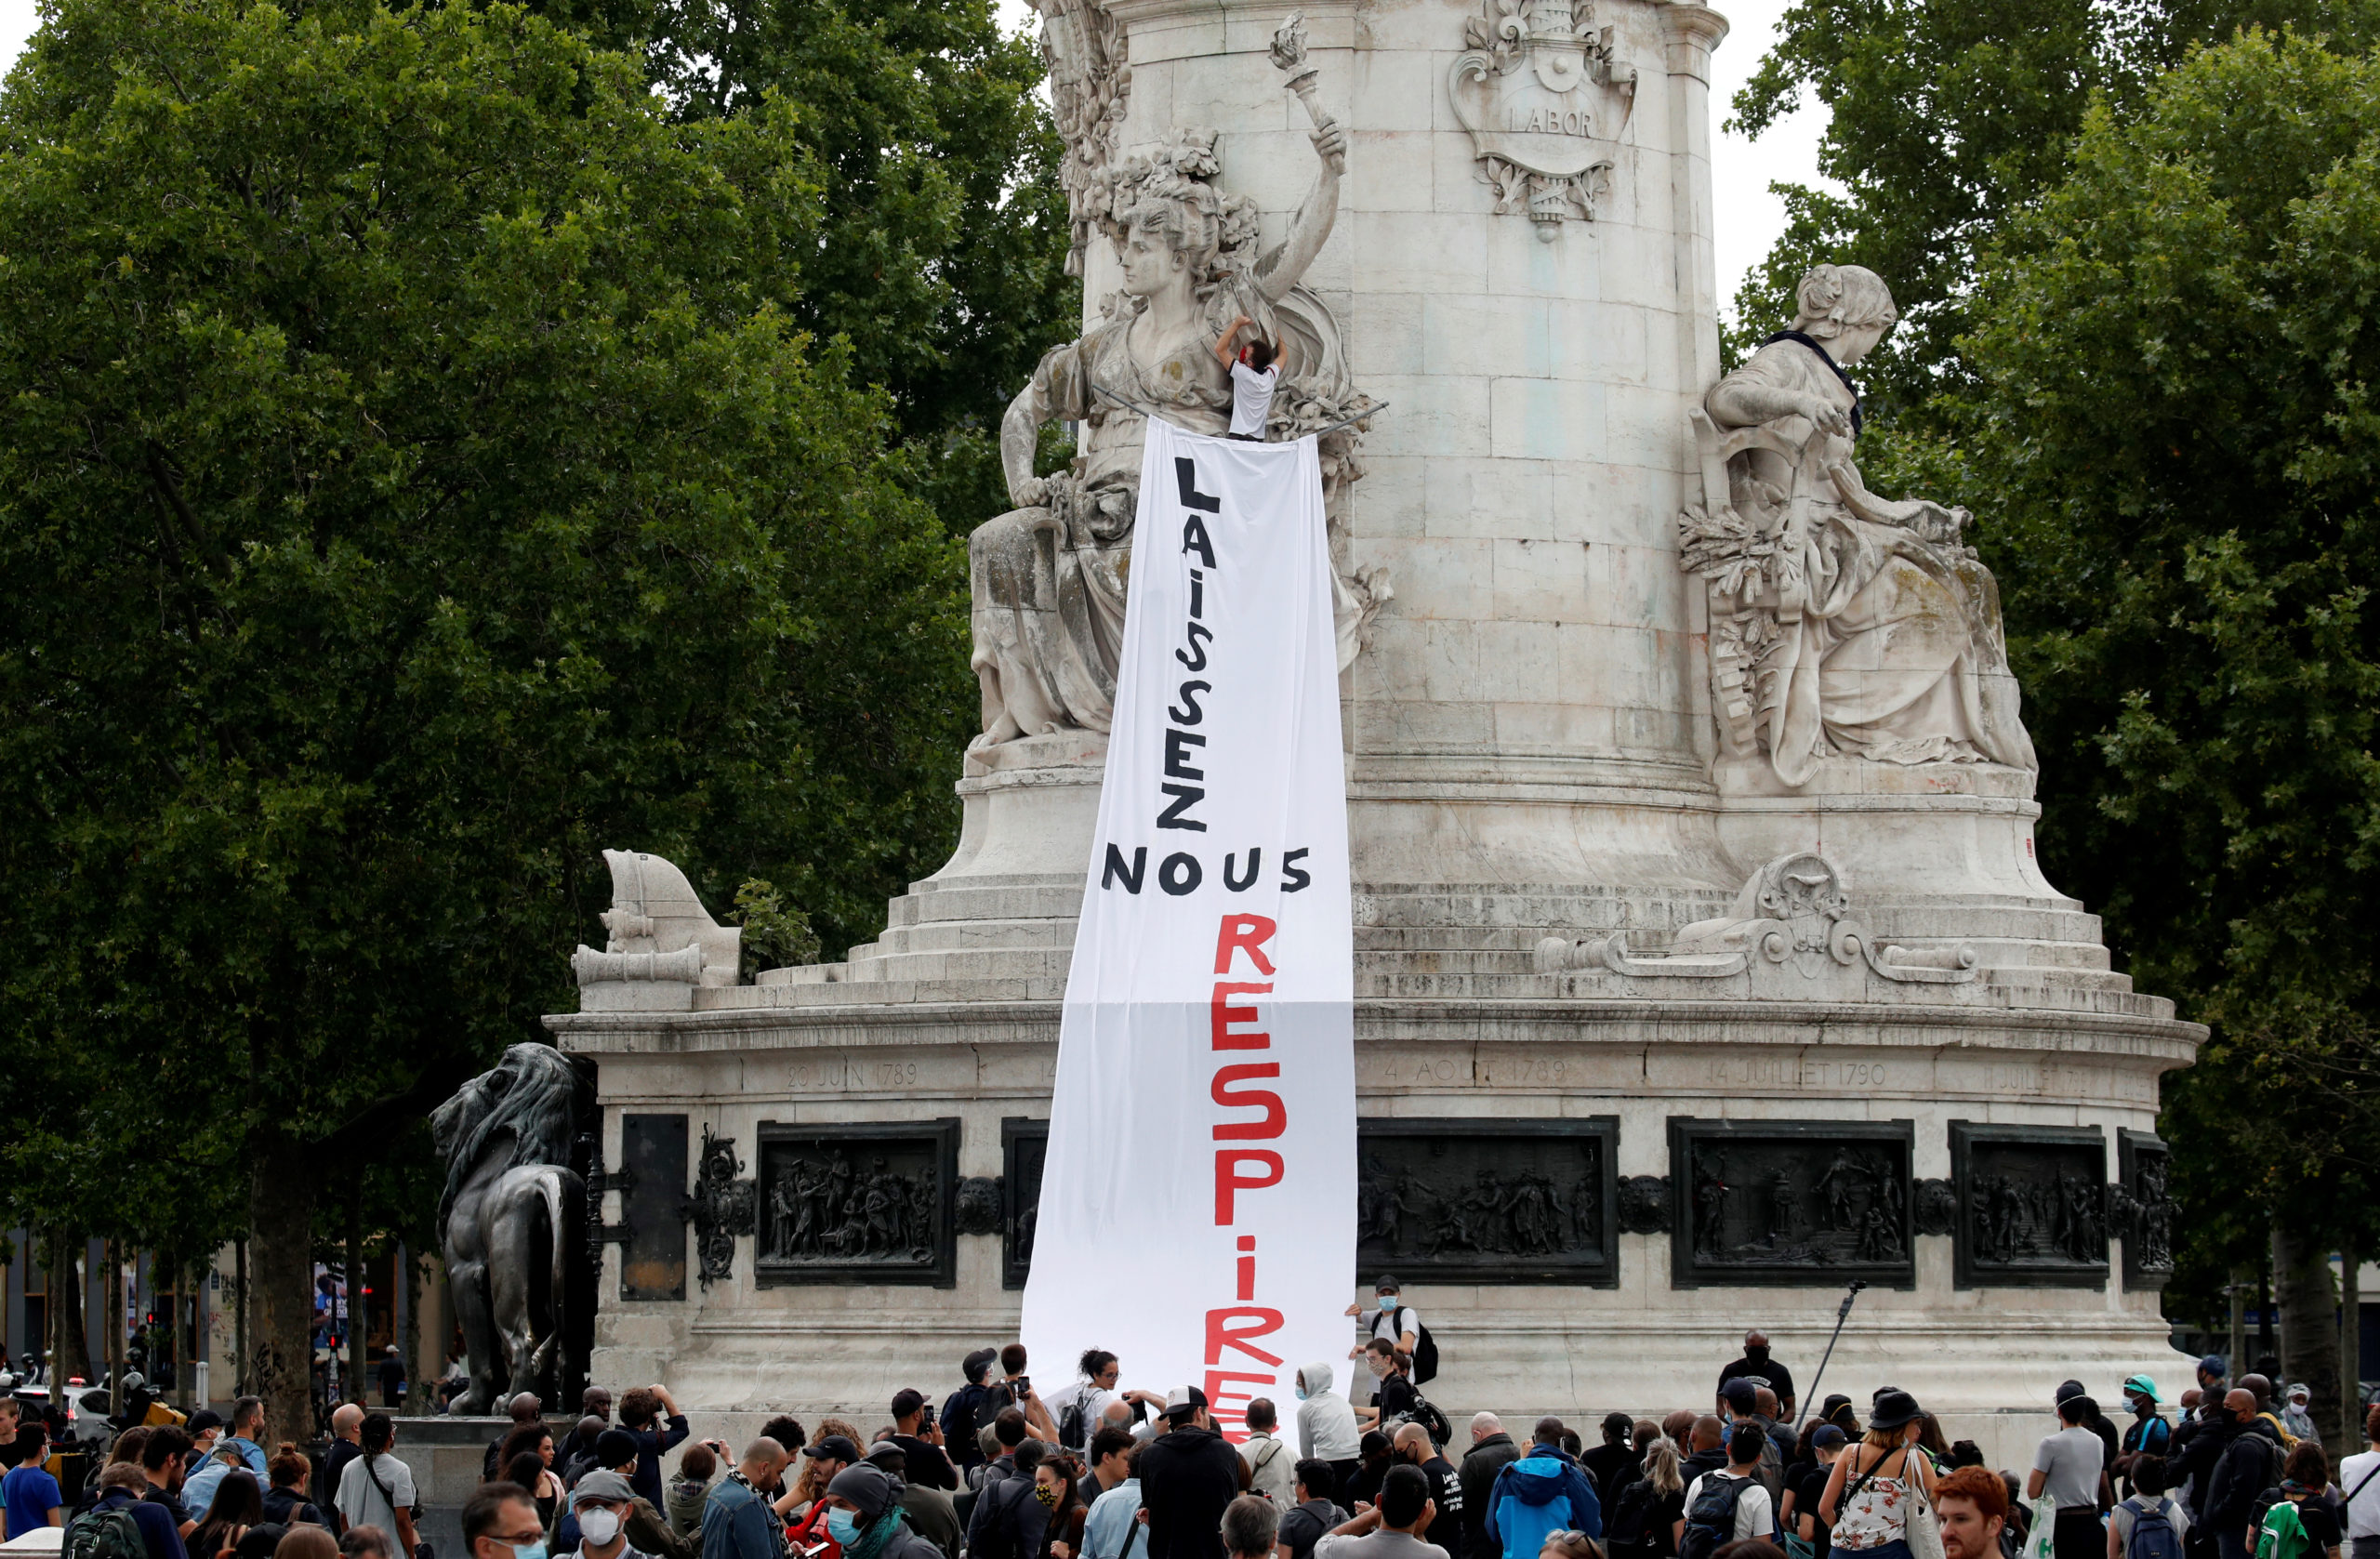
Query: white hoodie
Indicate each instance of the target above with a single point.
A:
(1327, 1429)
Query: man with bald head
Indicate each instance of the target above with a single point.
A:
(526, 1409)
(737, 1523)
(1706, 1447)
(1414, 1447)
(2250, 1464)
(1491, 1451)
(1758, 1368)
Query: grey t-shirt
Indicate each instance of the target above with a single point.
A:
(2072, 1457)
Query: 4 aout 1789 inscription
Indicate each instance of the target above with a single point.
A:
(862, 1203)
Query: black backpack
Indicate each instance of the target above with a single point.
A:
(1710, 1521)
(1425, 1354)
(1425, 1413)
(1003, 1534)
(1074, 1424)
(1628, 1534)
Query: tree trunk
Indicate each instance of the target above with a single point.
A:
(2238, 1290)
(69, 1353)
(280, 1284)
(2350, 1351)
(357, 1387)
(410, 1329)
(2310, 1330)
(238, 1317)
(111, 1340)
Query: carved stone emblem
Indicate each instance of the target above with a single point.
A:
(1507, 1202)
(1783, 1202)
(2032, 1205)
(1544, 100)
(978, 1211)
(857, 1204)
(1645, 1205)
(1938, 1207)
(719, 1208)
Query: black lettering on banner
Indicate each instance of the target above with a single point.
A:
(1184, 797)
(1178, 754)
(1194, 539)
(1199, 635)
(1117, 868)
(1186, 481)
(1190, 692)
(1180, 874)
(1197, 594)
(1234, 881)
(1292, 877)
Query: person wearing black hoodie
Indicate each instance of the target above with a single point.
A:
(1615, 1463)
(1188, 1474)
(1709, 1439)
(2247, 1467)
(1491, 1451)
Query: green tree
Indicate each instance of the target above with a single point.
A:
(1944, 121)
(415, 480)
(2172, 432)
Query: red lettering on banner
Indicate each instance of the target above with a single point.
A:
(1222, 1334)
(1229, 1408)
(1222, 1015)
(1276, 1115)
(1229, 1182)
(1245, 934)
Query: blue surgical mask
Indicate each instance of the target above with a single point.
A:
(1388, 1301)
(1300, 1391)
(842, 1527)
(529, 1551)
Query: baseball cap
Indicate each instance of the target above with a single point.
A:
(840, 1447)
(976, 1362)
(1386, 1285)
(202, 1420)
(1828, 1436)
(2140, 1385)
(608, 1487)
(1182, 1401)
(616, 1447)
(2212, 1364)
(907, 1400)
(1741, 1394)
(2068, 1391)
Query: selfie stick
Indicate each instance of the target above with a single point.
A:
(1841, 1316)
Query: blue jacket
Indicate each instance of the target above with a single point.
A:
(737, 1524)
(1543, 1492)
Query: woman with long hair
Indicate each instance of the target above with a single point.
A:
(284, 1502)
(1647, 1519)
(1872, 1486)
(1056, 1485)
(528, 1457)
(238, 1505)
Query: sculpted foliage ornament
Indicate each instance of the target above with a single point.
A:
(1544, 98)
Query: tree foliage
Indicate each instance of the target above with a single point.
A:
(2173, 430)
(416, 478)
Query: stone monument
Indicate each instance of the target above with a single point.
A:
(1700, 944)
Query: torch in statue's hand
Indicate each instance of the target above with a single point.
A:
(1289, 57)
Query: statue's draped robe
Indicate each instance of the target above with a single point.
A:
(1049, 583)
(1890, 646)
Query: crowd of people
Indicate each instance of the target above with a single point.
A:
(999, 1470)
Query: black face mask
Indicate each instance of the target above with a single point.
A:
(1756, 1355)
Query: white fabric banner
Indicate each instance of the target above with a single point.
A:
(1197, 1214)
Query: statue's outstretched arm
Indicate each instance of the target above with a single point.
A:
(1020, 435)
(1286, 266)
(1739, 400)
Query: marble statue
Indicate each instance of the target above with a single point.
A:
(1048, 576)
(510, 1223)
(1842, 624)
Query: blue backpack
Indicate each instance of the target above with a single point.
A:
(2152, 1534)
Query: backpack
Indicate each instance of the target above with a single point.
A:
(2283, 1534)
(1427, 1414)
(1710, 1521)
(104, 1534)
(1074, 1423)
(1425, 1354)
(2152, 1534)
(1003, 1535)
(1628, 1534)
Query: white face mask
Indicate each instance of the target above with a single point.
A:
(598, 1526)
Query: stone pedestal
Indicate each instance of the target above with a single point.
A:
(1551, 854)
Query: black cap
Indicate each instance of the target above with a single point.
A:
(202, 1420)
(907, 1400)
(840, 1447)
(1741, 1394)
(1386, 1285)
(1894, 1410)
(617, 1448)
(977, 1362)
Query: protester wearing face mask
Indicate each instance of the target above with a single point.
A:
(1758, 1366)
(1389, 1318)
(600, 1503)
(500, 1522)
(864, 1517)
(1327, 1428)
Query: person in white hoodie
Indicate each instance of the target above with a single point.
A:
(1326, 1430)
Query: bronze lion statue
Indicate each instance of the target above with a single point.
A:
(512, 1222)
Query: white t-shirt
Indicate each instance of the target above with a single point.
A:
(2363, 1511)
(2071, 1460)
(1755, 1517)
(1251, 397)
(360, 1501)
(1094, 1402)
